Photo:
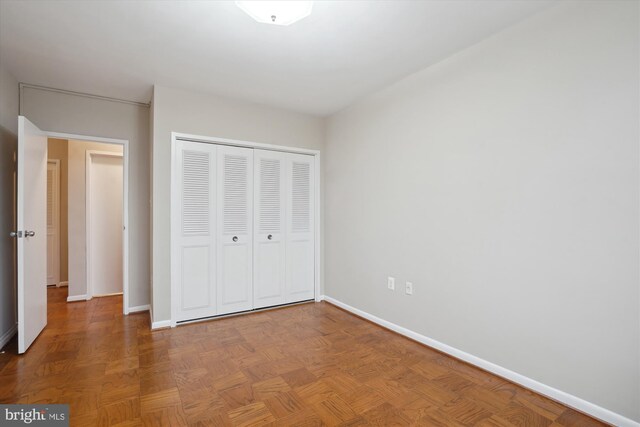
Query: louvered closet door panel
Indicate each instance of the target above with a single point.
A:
(235, 229)
(269, 228)
(300, 246)
(195, 244)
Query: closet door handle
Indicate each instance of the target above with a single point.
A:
(235, 238)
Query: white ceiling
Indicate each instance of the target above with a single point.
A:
(341, 52)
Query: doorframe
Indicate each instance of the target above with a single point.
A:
(125, 205)
(175, 136)
(56, 202)
(90, 155)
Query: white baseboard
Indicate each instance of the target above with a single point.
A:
(161, 324)
(63, 284)
(72, 298)
(6, 337)
(139, 308)
(553, 393)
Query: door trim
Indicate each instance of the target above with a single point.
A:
(125, 205)
(175, 136)
(90, 155)
(56, 207)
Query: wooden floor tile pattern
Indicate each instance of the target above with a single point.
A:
(306, 365)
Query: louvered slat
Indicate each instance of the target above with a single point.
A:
(300, 197)
(269, 195)
(235, 194)
(195, 193)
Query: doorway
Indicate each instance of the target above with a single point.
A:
(86, 207)
(104, 223)
(32, 171)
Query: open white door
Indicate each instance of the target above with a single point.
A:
(31, 233)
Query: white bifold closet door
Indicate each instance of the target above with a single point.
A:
(195, 241)
(284, 228)
(269, 260)
(245, 237)
(300, 244)
(235, 229)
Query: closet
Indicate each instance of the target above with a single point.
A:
(243, 235)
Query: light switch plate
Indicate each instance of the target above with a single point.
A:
(391, 283)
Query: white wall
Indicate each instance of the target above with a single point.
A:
(503, 182)
(178, 111)
(77, 211)
(62, 112)
(8, 139)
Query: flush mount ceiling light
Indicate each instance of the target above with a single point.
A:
(276, 12)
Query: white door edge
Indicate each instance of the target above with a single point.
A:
(56, 225)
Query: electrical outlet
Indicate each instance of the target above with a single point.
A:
(409, 288)
(391, 283)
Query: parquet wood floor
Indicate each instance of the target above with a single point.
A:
(306, 365)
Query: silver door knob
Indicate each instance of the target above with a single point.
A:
(269, 237)
(15, 234)
(235, 238)
(29, 233)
